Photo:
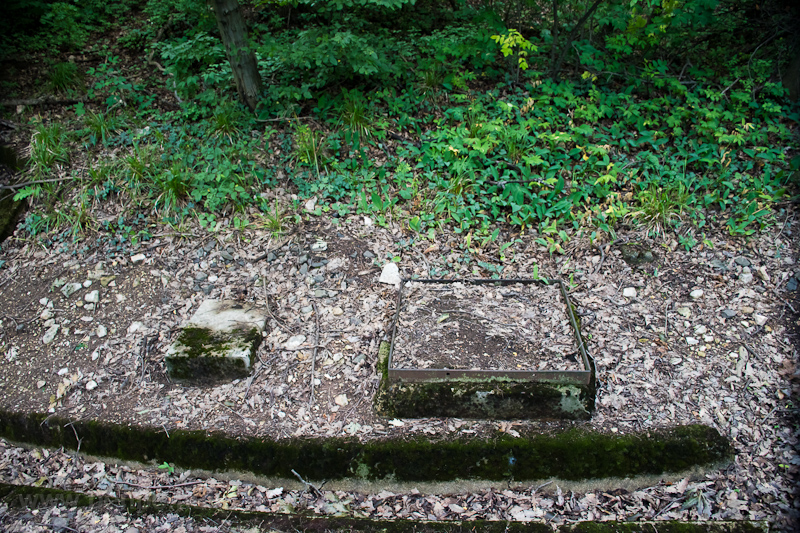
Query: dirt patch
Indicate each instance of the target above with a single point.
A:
(61, 325)
(481, 327)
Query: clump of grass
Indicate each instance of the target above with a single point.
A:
(48, 148)
(355, 116)
(661, 207)
(65, 78)
(274, 219)
(172, 187)
(102, 125)
(309, 147)
(226, 121)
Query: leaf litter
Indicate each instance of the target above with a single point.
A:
(710, 337)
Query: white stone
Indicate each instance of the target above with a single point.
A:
(760, 319)
(47, 314)
(691, 341)
(311, 204)
(367, 221)
(319, 246)
(138, 258)
(341, 400)
(295, 342)
(50, 334)
(629, 292)
(746, 277)
(697, 293)
(762, 273)
(135, 326)
(391, 274)
(92, 296)
(40, 384)
(700, 330)
(44, 301)
(212, 278)
(63, 372)
(709, 338)
(337, 311)
(335, 264)
(87, 318)
(119, 297)
(87, 283)
(684, 312)
(101, 331)
(91, 385)
(70, 288)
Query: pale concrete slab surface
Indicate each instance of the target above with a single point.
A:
(218, 343)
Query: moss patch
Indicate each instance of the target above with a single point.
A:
(494, 398)
(25, 497)
(202, 355)
(572, 455)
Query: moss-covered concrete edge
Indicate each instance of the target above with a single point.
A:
(27, 497)
(570, 455)
(493, 398)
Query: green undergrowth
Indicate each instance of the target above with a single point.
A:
(26, 497)
(570, 455)
(465, 115)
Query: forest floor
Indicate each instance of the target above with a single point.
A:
(708, 335)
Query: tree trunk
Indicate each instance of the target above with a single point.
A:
(243, 60)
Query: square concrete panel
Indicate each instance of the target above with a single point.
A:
(497, 349)
(218, 343)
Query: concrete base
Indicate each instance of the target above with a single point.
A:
(482, 398)
(218, 343)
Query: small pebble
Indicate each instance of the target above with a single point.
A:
(728, 313)
(92, 297)
(629, 292)
(685, 312)
(760, 319)
(691, 341)
(91, 385)
(697, 293)
(87, 283)
(138, 258)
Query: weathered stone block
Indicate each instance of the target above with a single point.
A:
(218, 343)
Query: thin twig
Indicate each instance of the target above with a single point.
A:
(154, 487)
(307, 484)
(602, 258)
(316, 348)
(35, 182)
(78, 450)
(234, 412)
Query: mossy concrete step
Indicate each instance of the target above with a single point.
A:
(16, 496)
(218, 343)
(574, 455)
(499, 398)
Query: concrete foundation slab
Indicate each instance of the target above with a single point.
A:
(218, 343)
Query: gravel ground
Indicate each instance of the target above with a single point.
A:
(701, 336)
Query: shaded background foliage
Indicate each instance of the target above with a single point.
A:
(557, 115)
